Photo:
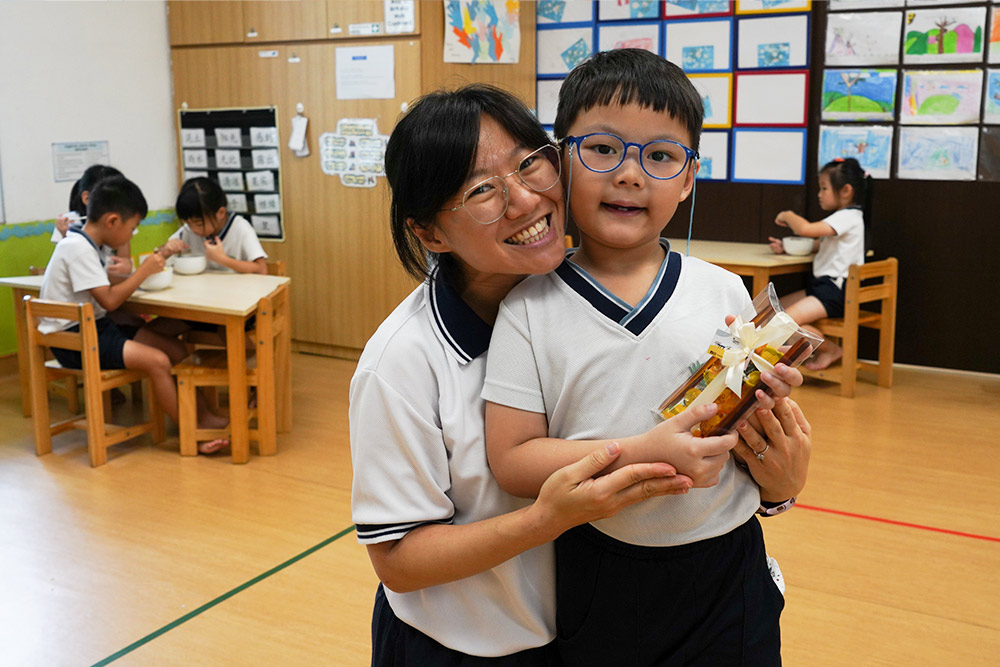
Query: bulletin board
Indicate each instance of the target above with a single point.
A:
(238, 148)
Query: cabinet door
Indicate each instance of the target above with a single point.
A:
(205, 22)
(348, 20)
(284, 21)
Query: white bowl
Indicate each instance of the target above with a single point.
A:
(797, 245)
(158, 281)
(189, 264)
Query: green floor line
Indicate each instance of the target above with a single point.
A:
(225, 596)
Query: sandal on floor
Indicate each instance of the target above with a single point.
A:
(212, 446)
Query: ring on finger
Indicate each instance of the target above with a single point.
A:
(760, 454)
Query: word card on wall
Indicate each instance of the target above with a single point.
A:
(239, 149)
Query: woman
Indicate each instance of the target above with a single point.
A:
(467, 570)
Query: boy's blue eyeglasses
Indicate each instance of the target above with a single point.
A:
(661, 159)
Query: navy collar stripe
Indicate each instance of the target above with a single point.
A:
(668, 282)
(465, 331)
(573, 277)
(229, 223)
(79, 230)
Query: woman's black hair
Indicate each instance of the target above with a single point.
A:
(848, 171)
(630, 76)
(430, 155)
(200, 198)
(91, 177)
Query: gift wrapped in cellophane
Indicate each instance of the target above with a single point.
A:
(756, 341)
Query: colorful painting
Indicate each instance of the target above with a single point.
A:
(938, 153)
(575, 54)
(699, 45)
(776, 54)
(993, 50)
(558, 50)
(618, 10)
(991, 97)
(675, 8)
(561, 11)
(764, 6)
(482, 31)
(870, 38)
(941, 97)
(773, 42)
(946, 35)
(698, 58)
(550, 10)
(859, 94)
(629, 36)
(870, 145)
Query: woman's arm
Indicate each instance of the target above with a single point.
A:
(784, 437)
(437, 554)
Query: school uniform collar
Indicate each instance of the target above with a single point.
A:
(634, 320)
(229, 223)
(79, 230)
(466, 334)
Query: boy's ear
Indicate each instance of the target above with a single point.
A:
(429, 235)
(111, 219)
(689, 177)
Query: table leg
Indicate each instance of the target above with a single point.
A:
(236, 356)
(23, 368)
(761, 277)
(283, 369)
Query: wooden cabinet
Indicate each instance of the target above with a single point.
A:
(234, 21)
(349, 20)
(284, 21)
(215, 22)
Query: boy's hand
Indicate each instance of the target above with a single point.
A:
(776, 245)
(172, 247)
(701, 459)
(119, 266)
(784, 442)
(62, 224)
(152, 264)
(213, 250)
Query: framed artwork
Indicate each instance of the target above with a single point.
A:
(991, 97)
(941, 97)
(774, 42)
(859, 94)
(561, 49)
(769, 156)
(699, 45)
(563, 11)
(629, 36)
(481, 32)
(716, 96)
(547, 99)
(779, 98)
(938, 153)
(993, 45)
(714, 151)
(869, 38)
(847, 5)
(989, 154)
(623, 10)
(676, 9)
(870, 145)
(771, 6)
(945, 35)
(927, 3)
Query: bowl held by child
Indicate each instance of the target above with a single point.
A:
(189, 264)
(158, 281)
(797, 245)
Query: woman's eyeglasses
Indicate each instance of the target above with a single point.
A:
(486, 201)
(602, 152)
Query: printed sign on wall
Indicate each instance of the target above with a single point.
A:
(355, 152)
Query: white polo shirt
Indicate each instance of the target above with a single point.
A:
(419, 456)
(837, 253)
(598, 368)
(239, 241)
(75, 268)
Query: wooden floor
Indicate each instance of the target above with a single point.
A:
(892, 558)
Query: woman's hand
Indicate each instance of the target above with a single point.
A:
(777, 455)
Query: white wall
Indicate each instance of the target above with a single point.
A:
(84, 71)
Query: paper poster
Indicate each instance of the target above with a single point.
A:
(864, 38)
(270, 203)
(189, 174)
(71, 159)
(769, 156)
(547, 99)
(714, 151)
(938, 153)
(260, 181)
(768, 6)
(699, 45)
(228, 137)
(771, 99)
(227, 159)
(264, 136)
(631, 36)
(563, 11)
(991, 97)
(945, 35)
(679, 8)
(231, 180)
(773, 42)
(993, 48)
(265, 158)
(266, 225)
(716, 97)
(941, 97)
(236, 203)
(870, 145)
(859, 94)
(355, 152)
(192, 137)
(400, 16)
(619, 10)
(484, 32)
(195, 159)
(562, 49)
(366, 72)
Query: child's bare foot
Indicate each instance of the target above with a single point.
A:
(209, 420)
(824, 356)
(212, 446)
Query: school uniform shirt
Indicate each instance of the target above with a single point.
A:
(239, 241)
(598, 368)
(419, 455)
(75, 268)
(837, 253)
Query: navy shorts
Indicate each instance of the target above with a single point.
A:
(831, 296)
(111, 339)
(396, 644)
(707, 603)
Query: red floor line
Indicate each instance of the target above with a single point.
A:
(901, 523)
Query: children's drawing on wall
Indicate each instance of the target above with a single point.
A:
(993, 50)
(844, 5)
(870, 38)
(676, 8)
(759, 6)
(938, 153)
(773, 42)
(562, 49)
(714, 162)
(561, 11)
(716, 97)
(941, 97)
(859, 94)
(617, 10)
(991, 97)
(699, 45)
(870, 145)
(482, 31)
(355, 152)
(946, 35)
(631, 36)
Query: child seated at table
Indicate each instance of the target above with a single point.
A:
(76, 274)
(845, 189)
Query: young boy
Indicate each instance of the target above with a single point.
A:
(76, 273)
(589, 351)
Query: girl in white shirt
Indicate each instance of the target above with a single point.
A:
(845, 189)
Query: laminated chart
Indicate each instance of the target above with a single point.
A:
(355, 152)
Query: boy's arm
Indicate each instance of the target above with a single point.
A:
(215, 253)
(112, 296)
(803, 227)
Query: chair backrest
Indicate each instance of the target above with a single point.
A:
(36, 270)
(276, 267)
(84, 340)
(856, 292)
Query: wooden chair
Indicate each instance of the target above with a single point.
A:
(857, 294)
(209, 368)
(66, 387)
(100, 433)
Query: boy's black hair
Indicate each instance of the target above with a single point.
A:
(90, 177)
(200, 198)
(848, 171)
(630, 76)
(118, 195)
(431, 153)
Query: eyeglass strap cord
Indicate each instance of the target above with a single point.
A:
(694, 191)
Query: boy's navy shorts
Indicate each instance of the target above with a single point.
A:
(396, 644)
(111, 339)
(709, 603)
(831, 296)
